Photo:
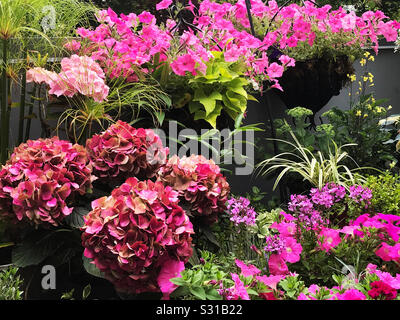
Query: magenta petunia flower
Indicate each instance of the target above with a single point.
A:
(351, 294)
(292, 250)
(164, 4)
(277, 265)
(170, 269)
(247, 270)
(328, 239)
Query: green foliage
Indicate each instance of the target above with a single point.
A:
(360, 126)
(292, 286)
(221, 88)
(128, 100)
(313, 167)
(386, 193)
(70, 294)
(55, 247)
(199, 281)
(10, 284)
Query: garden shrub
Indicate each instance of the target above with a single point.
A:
(10, 284)
(386, 190)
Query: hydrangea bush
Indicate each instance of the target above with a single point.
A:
(123, 151)
(202, 189)
(40, 180)
(137, 235)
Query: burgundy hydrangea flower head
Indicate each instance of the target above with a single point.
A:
(41, 178)
(200, 184)
(122, 151)
(131, 234)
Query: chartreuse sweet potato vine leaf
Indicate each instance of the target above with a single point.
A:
(221, 88)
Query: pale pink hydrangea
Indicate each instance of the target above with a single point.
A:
(79, 75)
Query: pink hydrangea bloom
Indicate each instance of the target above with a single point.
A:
(123, 151)
(41, 179)
(132, 234)
(200, 185)
(79, 75)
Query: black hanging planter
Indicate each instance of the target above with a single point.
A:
(312, 83)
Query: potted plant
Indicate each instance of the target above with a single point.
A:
(323, 42)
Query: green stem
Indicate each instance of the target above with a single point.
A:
(22, 106)
(30, 112)
(4, 106)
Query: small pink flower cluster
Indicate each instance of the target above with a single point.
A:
(123, 151)
(79, 75)
(41, 177)
(122, 44)
(283, 248)
(241, 212)
(138, 236)
(200, 185)
(298, 25)
(127, 43)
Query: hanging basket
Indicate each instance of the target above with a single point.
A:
(312, 83)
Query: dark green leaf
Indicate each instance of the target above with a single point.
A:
(91, 268)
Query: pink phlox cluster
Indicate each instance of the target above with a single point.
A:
(241, 212)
